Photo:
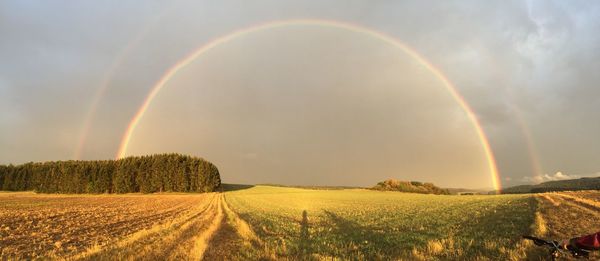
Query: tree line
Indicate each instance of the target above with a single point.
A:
(410, 186)
(146, 174)
(557, 185)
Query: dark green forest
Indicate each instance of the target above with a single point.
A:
(558, 185)
(410, 186)
(146, 174)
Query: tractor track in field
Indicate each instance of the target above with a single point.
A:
(582, 207)
(567, 216)
(233, 238)
(90, 226)
(210, 232)
(586, 204)
(124, 227)
(180, 239)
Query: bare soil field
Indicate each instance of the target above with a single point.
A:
(35, 225)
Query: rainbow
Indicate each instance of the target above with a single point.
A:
(107, 79)
(536, 166)
(323, 23)
(98, 95)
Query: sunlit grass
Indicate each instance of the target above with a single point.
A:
(368, 224)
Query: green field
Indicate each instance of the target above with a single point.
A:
(364, 224)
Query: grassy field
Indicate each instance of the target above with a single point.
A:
(364, 224)
(274, 223)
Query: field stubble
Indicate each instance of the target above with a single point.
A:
(65, 226)
(569, 214)
(273, 223)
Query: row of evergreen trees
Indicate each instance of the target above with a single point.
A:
(146, 174)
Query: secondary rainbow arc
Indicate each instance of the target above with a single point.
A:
(108, 78)
(492, 167)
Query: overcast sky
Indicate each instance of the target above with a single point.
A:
(309, 104)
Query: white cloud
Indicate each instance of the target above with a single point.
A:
(558, 176)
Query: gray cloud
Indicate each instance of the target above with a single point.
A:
(536, 58)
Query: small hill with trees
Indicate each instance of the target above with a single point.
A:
(559, 185)
(146, 174)
(410, 186)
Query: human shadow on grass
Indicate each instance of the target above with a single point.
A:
(305, 243)
(301, 245)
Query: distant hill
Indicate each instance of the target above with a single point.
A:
(560, 185)
(410, 186)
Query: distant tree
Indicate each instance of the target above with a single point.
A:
(3, 170)
(412, 186)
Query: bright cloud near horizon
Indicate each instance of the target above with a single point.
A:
(309, 105)
(557, 176)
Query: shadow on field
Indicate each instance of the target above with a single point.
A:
(234, 187)
(305, 243)
(353, 240)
